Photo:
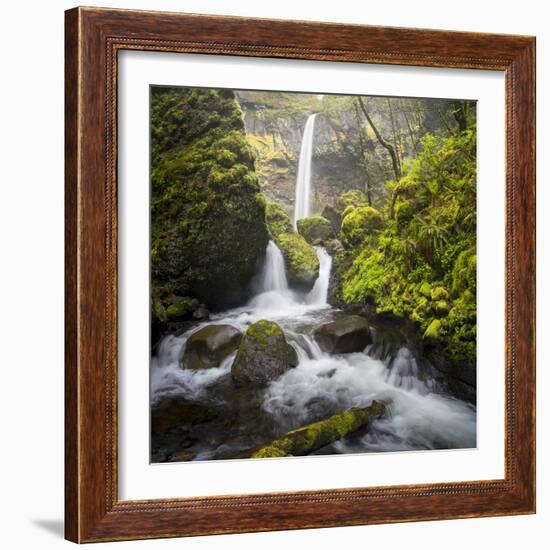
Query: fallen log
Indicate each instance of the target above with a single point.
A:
(307, 439)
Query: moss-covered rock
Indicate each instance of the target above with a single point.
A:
(425, 289)
(316, 230)
(353, 198)
(358, 224)
(207, 209)
(301, 262)
(348, 334)
(180, 308)
(209, 346)
(278, 221)
(434, 332)
(309, 438)
(264, 355)
(439, 293)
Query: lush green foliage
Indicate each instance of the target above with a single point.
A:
(277, 220)
(417, 259)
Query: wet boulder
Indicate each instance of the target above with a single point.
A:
(301, 261)
(316, 230)
(209, 346)
(264, 355)
(174, 413)
(348, 334)
(278, 221)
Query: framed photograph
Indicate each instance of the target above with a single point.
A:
(300, 275)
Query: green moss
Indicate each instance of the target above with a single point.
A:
(180, 308)
(359, 224)
(271, 451)
(419, 261)
(354, 198)
(207, 211)
(262, 330)
(464, 271)
(425, 289)
(434, 331)
(309, 438)
(439, 293)
(277, 220)
(315, 229)
(301, 261)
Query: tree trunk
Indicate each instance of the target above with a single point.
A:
(305, 440)
(386, 144)
(459, 113)
(363, 153)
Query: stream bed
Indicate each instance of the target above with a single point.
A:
(224, 419)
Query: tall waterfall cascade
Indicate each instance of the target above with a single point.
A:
(303, 179)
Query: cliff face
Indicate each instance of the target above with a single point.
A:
(274, 126)
(347, 153)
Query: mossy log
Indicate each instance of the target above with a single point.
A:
(309, 438)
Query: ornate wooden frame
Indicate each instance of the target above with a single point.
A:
(93, 511)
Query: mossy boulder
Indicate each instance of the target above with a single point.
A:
(277, 219)
(179, 308)
(264, 355)
(354, 198)
(358, 224)
(316, 230)
(207, 211)
(439, 293)
(425, 290)
(434, 332)
(348, 334)
(209, 346)
(301, 262)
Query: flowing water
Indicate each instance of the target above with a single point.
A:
(303, 178)
(420, 416)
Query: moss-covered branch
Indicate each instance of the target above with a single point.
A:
(309, 438)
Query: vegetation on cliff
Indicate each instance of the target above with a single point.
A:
(416, 257)
(208, 212)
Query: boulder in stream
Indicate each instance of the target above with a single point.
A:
(264, 355)
(348, 334)
(301, 261)
(209, 346)
(315, 229)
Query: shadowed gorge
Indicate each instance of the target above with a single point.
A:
(313, 264)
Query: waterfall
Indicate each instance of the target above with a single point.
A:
(303, 179)
(319, 293)
(273, 275)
